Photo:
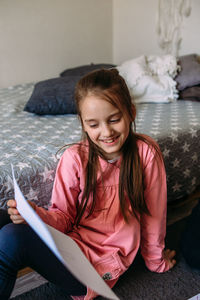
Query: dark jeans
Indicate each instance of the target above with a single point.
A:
(4, 218)
(21, 247)
(190, 241)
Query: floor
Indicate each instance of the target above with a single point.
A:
(177, 218)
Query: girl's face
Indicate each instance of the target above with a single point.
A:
(106, 126)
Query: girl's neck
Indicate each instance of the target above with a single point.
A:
(113, 160)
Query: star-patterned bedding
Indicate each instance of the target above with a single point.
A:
(30, 143)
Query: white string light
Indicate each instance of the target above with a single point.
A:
(170, 17)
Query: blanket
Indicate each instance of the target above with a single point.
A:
(151, 78)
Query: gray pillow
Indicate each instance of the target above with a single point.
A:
(83, 70)
(191, 93)
(53, 96)
(190, 72)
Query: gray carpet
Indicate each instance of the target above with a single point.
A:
(180, 283)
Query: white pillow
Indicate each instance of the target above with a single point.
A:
(150, 79)
(163, 65)
(132, 70)
(154, 89)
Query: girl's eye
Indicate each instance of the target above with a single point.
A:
(93, 125)
(115, 120)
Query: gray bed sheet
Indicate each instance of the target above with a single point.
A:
(30, 143)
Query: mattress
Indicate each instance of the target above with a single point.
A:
(30, 142)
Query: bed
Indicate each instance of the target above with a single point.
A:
(31, 138)
(30, 143)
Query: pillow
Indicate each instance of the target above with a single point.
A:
(143, 85)
(53, 96)
(82, 70)
(190, 72)
(190, 93)
(134, 69)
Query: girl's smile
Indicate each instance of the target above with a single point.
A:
(105, 124)
(110, 141)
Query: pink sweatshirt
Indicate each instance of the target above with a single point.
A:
(108, 242)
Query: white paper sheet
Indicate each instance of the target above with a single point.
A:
(64, 248)
(197, 297)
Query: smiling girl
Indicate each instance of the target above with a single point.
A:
(109, 196)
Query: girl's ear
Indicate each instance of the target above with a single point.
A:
(133, 112)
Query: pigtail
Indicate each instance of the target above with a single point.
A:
(90, 184)
(131, 180)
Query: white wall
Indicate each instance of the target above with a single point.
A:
(40, 38)
(134, 29)
(191, 30)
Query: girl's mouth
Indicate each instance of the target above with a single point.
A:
(110, 141)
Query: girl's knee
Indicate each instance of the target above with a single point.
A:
(12, 238)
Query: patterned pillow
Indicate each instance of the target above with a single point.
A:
(53, 96)
(190, 72)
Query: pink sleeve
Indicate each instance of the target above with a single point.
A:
(62, 212)
(153, 228)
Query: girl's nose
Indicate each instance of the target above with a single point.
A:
(107, 130)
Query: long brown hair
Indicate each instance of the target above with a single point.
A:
(110, 86)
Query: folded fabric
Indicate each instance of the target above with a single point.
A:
(163, 65)
(82, 70)
(150, 78)
(190, 93)
(151, 89)
(53, 96)
(189, 74)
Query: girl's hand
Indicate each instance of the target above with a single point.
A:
(13, 212)
(169, 256)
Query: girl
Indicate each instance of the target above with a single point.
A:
(109, 196)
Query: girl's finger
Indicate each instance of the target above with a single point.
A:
(11, 203)
(13, 211)
(16, 219)
(172, 253)
(169, 253)
(172, 263)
